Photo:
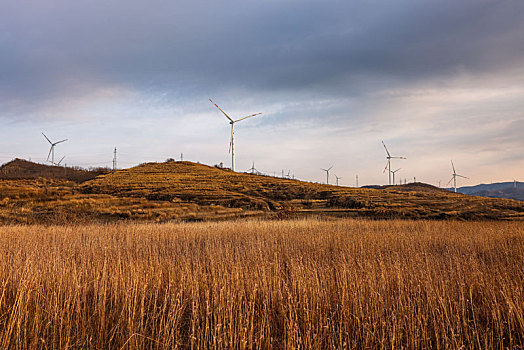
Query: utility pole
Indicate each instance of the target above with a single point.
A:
(114, 160)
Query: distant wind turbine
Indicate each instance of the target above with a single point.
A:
(454, 177)
(232, 141)
(253, 170)
(388, 164)
(393, 172)
(52, 149)
(327, 173)
(338, 178)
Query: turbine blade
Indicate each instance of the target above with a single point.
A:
(330, 168)
(49, 153)
(462, 176)
(61, 160)
(56, 143)
(249, 116)
(389, 155)
(224, 113)
(453, 167)
(449, 181)
(47, 138)
(394, 171)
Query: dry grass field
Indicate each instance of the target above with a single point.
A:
(253, 284)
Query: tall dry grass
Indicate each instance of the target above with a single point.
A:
(263, 284)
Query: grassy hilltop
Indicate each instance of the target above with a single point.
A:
(190, 191)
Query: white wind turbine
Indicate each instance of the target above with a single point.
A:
(327, 174)
(454, 177)
(388, 164)
(393, 172)
(52, 150)
(232, 141)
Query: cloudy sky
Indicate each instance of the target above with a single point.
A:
(436, 80)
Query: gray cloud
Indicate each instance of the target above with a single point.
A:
(72, 47)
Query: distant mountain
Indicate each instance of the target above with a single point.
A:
(509, 190)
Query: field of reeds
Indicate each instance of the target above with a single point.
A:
(311, 283)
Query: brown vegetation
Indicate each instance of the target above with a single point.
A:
(205, 185)
(263, 284)
(188, 191)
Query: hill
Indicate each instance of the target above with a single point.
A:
(510, 190)
(190, 191)
(206, 185)
(23, 169)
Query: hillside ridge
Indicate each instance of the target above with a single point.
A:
(24, 169)
(191, 191)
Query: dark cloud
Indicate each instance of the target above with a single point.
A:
(192, 48)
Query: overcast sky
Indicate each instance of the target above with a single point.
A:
(436, 80)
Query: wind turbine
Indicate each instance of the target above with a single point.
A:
(52, 150)
(327, 173)
(388, 164)
(253, 170)
(232, 141)
(338, 178)
(454, 177)
(393, 172)
(60, 161)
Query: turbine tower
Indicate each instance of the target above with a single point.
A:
(114, 160)
(454, 177)
(388, 164)
(327, 174)
(393, 172)
(52, 149)
(232, 141)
